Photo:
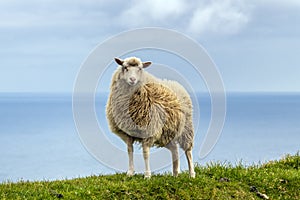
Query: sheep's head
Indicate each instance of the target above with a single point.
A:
(132, 69)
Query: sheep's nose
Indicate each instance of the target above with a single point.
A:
(132, 79)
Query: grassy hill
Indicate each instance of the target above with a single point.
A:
(273, 180)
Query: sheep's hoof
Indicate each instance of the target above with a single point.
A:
(130, 173)
(192, 174)
(147, 175)
(175, 174)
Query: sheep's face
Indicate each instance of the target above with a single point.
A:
(132, 69)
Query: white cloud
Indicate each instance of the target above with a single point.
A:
(220, 17)
(149, 12)
(205, 17)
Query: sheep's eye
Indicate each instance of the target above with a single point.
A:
(125, 69)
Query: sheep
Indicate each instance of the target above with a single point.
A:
(153, 112)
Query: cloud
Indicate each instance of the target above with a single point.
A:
(151, 12)
(206, 17)
(198, 18)
(219, 17)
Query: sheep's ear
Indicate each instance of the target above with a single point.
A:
(146, 64)
(119, 61)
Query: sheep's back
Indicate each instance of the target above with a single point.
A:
(181, 94)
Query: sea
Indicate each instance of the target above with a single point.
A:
(39, 139)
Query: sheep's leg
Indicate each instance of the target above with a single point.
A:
(189, 158)
(130, 171)
(146, 149)
(175, 159)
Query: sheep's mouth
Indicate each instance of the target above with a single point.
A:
(132, 83)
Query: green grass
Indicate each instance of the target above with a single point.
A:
(276, 179)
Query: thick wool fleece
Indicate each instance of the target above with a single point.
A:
(153, 111)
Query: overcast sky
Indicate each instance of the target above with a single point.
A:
(255, 44)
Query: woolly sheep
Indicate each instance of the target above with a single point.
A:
(154, 112)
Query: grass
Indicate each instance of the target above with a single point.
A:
(275, 179)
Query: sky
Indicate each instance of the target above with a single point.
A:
(255, 44)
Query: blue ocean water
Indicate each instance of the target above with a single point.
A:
(39, 141)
